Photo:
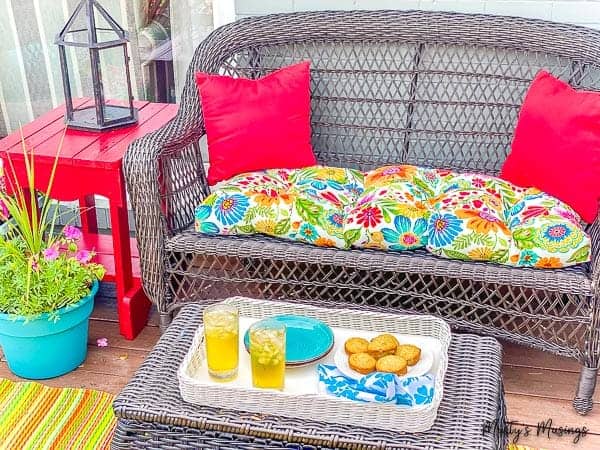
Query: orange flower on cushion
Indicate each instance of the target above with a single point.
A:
(266, 226)
(549, 262)
(267, 197)
(331, 173)
(481, 253)
(388, 174)
(287, 197)
(482, 222)
(376, 241)
(377, 236)
(324, 242)
(414, 211)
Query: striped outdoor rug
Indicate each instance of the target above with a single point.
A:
(37, 417)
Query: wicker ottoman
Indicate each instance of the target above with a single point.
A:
(151, 413)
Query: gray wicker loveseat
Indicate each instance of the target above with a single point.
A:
(423, 88)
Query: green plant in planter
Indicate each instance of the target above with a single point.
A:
(47, 282)
(32, 284)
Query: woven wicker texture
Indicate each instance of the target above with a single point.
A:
(151, 413)
(427, 88)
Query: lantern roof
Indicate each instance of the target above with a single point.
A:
(91, 26)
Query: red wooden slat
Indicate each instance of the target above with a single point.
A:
(109, 149)
(45, 143)
(103, 244)
(55, 115)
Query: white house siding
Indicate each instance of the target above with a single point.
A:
(581, 12)
(191, 22)
(30, 80)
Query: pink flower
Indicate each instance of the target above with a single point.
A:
(34, 265)
(478, 182)
(83, 256)
(102, 342)
(391, 170)
(51, 253)
(568, 215)
(3, 211)
(72, 232)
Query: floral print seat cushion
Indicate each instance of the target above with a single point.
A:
(398, 208)
(307, 205)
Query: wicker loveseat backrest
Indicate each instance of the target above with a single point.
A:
(426, 88)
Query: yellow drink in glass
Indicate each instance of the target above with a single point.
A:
(221, 336)
(267, 355)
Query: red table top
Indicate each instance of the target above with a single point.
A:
(85, 148)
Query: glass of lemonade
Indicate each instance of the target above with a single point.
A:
(267, 354)
(221, 335)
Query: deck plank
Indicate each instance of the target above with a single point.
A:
(519, 355)
(110, 330)
(538, 382)
(105, 309)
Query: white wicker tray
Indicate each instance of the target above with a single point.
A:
(300, 397)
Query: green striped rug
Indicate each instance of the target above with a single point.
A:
(37, 417)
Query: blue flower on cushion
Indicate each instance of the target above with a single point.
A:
(452, 187)
(230, 209)
(308, 232)
(336, 220)
(528, 258)
(406, 235)
(517, 208)
(207, 228)
(315, 184)
(557, 233)
(318, 185)
(202, 212)
(443, 229)
(354, 189)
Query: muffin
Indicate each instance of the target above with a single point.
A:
(392, 364)
(362, 363)
(382, 345)
(356, 345)
(411, 353)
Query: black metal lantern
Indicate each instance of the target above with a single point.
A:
(101, 116)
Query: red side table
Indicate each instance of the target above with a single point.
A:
(90, 163)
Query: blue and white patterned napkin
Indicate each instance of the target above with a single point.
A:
(377, 387)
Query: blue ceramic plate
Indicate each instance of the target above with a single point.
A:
(306, 339)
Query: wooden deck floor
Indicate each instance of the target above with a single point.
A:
(539, 386)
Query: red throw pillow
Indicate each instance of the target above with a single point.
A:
(556, 146)
(257, 124)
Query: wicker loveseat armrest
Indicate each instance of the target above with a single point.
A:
(165, 180)
(594, 231)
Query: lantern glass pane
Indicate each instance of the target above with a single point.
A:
(104, 31)
(77, 32)
(80, 72)
(114, 77)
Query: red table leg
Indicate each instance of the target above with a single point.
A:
(89, 221)
(132, 305)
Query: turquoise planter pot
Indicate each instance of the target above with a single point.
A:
(41, 348)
